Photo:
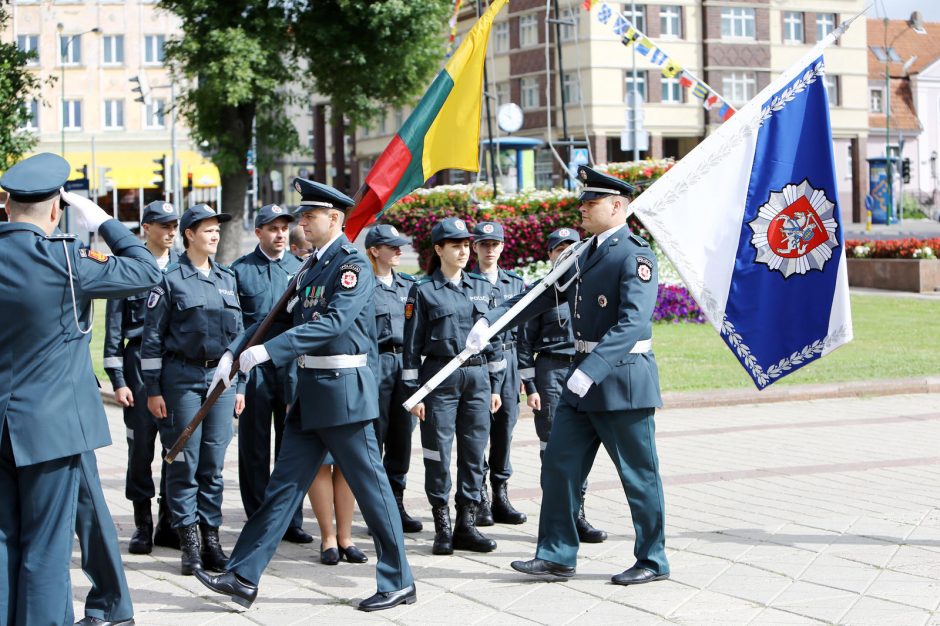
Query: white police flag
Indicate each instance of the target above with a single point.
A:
(750, 219)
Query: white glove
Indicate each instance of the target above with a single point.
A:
(579, 383)
(222, 371)
(475, 340)
(255, 355)
(89, 215)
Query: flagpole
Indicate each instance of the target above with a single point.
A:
(633, 102)
(489, 119)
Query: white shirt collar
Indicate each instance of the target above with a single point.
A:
(271, 258)
(320, 251)
(601, 238)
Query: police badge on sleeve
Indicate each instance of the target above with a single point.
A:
(155, 294)
(349, 276)
(644, 269)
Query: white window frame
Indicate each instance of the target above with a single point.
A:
(570, 32)
(670, 22)
(503, 94)
(32, 45)
(501, 37)
(71, 109)
(793, 21)
(873, 93)
(152, 112)
(738, 23)
(154, 47)
(672, 89)
(571, 85)
(530, 93)
(825, 24)
(112, 108)
(528, 30)
(73, 53)
(831, 82)
(113, 49)
(641, 83)
(739, 87)
(383, 123)
(32, 122)
(639, 18)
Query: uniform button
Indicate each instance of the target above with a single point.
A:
(579, 333)
(580, 298)
(578, 315)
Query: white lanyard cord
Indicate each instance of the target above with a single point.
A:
(78, 325)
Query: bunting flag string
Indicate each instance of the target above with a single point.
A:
(630, 35)
(453, 30)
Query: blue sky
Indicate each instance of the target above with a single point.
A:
(901, 9)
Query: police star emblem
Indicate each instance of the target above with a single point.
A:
(349, 279)
(602, 300)
(488, 228)
(795, 231)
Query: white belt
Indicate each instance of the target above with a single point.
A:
(644, 345)
(336, 361)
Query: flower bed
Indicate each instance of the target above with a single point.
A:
(897, 264)
(892, 249)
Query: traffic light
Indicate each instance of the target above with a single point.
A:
(160, 180)
(142, 88)
(906, 170)
(189, 181)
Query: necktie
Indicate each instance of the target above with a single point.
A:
(591, 250)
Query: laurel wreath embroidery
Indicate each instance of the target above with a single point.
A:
(790, 92)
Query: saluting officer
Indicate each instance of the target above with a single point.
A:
(440, 311)
(262, 276)
(395, 424)
(334, 343)
(191, 317)
(546, 352)
(50, 410)
(124, 327)
(612, 392)
(488, 238)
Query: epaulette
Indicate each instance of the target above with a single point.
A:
(423, 280)
(514, 274)
(639, 240)
(238, 261)
(407, 276)
(348, 248)
(477, 276)
(225, 268)
(170, 267)
(62, 237)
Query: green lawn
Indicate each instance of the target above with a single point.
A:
(894, 338)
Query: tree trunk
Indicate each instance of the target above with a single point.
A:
(234, 188)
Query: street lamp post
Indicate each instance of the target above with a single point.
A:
(916, 24)
(63, 53)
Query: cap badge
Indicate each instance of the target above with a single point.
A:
(564, 232)
(297, 187)
(582, 174)
(167, 207)
(393, 230)
(459, 225)
(488, 228)
(276, 209)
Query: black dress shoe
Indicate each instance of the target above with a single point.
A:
(353, 554)
(541, 567)
(89, 621)
(637, 576)
(296, 534)
(329, 556)
(242, 592)
(388, 599)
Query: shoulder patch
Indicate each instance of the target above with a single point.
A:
(94, 255)
(351, 266)
(349, 276)
(155, 294)
(639, 240)
(409, 308)
(644, 269)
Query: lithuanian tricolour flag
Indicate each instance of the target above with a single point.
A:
(442, 132)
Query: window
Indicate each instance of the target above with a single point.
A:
(70, 49)
(32, 113)
(832, 89)
(501, 37)
(793, 27)
(739, 87)
(529, 86)
(114, 114)
(72, 114)
(544, 164)
(383, 123)
(569, 31)
(672, 91)
(825, 24)
(29, 43)
(640, 83)
(154, 114)
(502, 93)
(571, 87)
(113, 50)
(310, 139)
(638, 19)
(528, 31)
(876, 101)
(153, 49)
(399, 119)
(670, 21)
(737, 23)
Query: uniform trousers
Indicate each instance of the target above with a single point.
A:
(37, 525)
(194, 480)
(629, 438)
(504, 422)
(109, 598)
(394, 425)
(550, 377)
(267, 394)
(142, 430)
(356, 451)
(459, 407)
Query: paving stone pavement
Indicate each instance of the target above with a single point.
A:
(822, 511)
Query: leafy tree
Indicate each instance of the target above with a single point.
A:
(18, 86)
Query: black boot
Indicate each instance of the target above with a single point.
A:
(503, 510)
(190, 560)
(466, 535)
(443, 537)
(164, 535)
(586, 532)
(408, 523)
(142, 541)
(484, 513)
(213, 559)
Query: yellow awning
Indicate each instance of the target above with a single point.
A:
(132, 170)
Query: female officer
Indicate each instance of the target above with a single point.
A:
(395, 425)
(193, 315)
(440, 311)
